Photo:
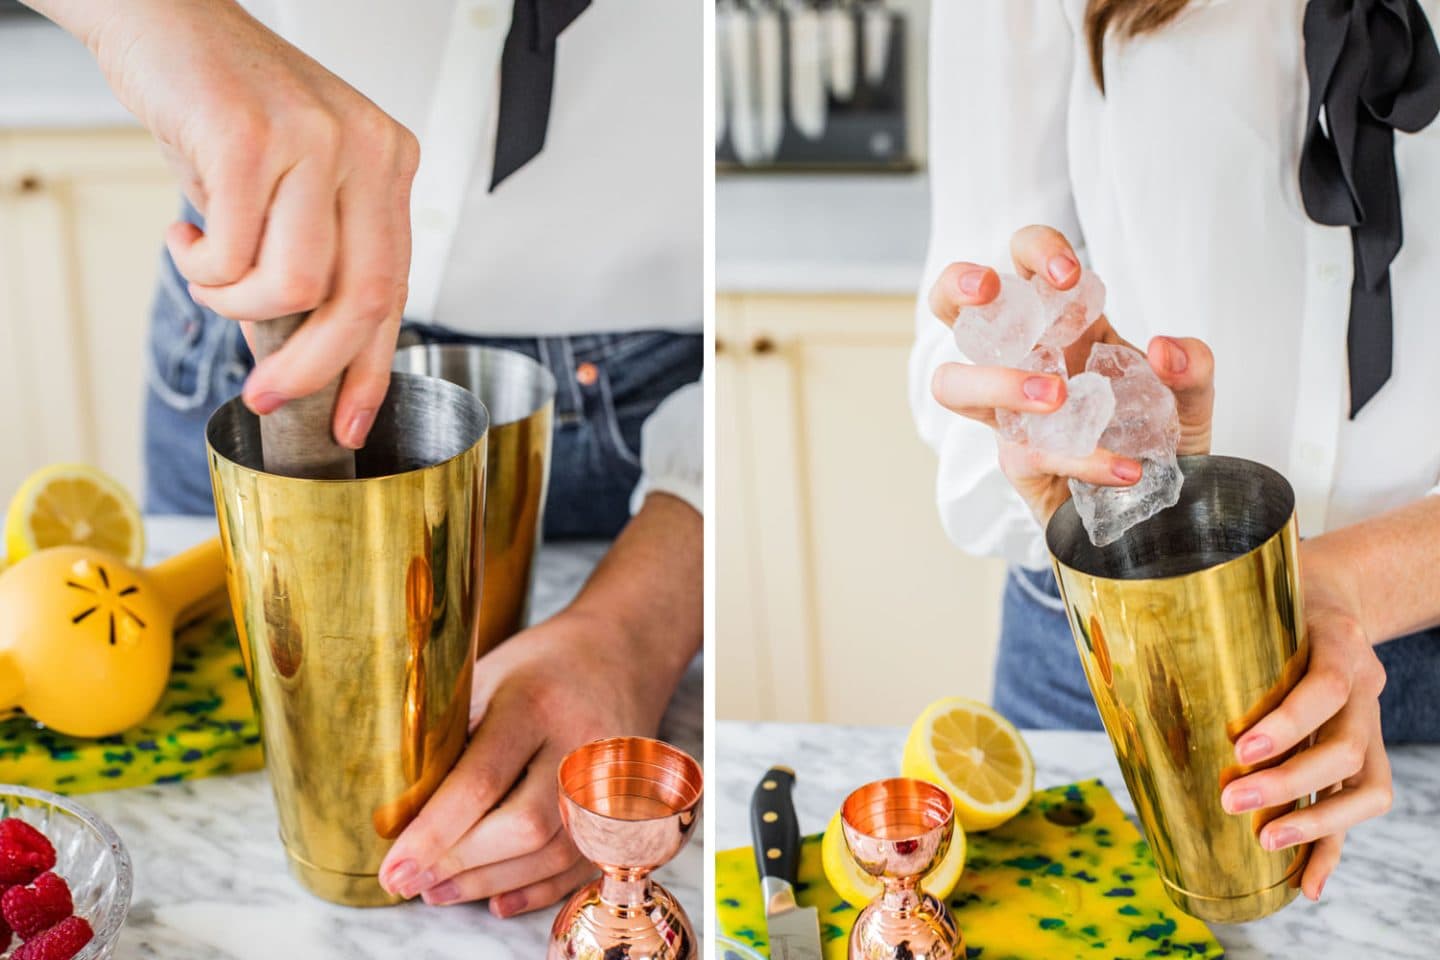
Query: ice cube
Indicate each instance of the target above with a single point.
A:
(1146, 423)
(1001, 332)
(1070, 312)
(1145, 427)
(1108, 512)
(1039, 360)
(1074, 429)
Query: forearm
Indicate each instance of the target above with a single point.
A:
(650, 587)
(1390, 564)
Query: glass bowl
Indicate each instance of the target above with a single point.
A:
(88, 854)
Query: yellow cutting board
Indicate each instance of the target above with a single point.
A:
(204, 725)
(1069, 878)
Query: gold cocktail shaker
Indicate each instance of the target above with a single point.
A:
(519, 395)
(356, 603)
(1191, 628)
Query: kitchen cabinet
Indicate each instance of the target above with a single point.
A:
(82, 220)
(838, 597)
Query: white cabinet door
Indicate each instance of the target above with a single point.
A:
(82, 220)
(866, 609)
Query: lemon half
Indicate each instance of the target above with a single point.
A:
(73, 504)
(857, 888)
(976, 755)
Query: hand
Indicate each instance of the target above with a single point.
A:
(1338, 702)
(304, 184)
(1186, 366)
(493, 829)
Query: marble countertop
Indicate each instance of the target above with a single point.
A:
(1382, 902)
(48, 80)
(210, 875)
(821, 234)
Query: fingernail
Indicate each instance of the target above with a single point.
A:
(447, 892)
(1175, 358)
(424, 880)
(1239, 801)
(1127, 470)
(1253, 748)
(970, 282)
(508, 904)
(1044, 389)
(1060, 267)
(1280, 838)
(396, 877)
(265, 403)
(358, 428)
(1320, 890)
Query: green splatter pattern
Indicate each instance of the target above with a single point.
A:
(204, 725)
(1033, 889)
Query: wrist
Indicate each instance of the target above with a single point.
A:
(639, 644)
(1331, 575)
(637, 676)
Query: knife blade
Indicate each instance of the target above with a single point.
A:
(794, 931)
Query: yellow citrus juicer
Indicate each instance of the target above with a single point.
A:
(86, 639)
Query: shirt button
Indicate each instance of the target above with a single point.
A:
(1311, 454)
(482, 16)
(1328, 272)
(586, 374)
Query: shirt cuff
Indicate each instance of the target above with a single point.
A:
(672, 450)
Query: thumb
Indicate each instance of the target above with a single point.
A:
(1187, 367)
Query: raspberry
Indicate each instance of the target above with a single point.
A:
(24, 852)
(60, 942)
(33, 909)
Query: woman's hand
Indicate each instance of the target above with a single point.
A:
(493, 829)
(1338, 702)
(605, 667)
(304, 184)
(1184, 365)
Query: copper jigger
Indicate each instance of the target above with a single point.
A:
(629, 804)
(897, 831)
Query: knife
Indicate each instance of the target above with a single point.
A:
(769, 79)
(840, 50)
(807, 71)
(877, 21)
(794, 931)
(734, 25)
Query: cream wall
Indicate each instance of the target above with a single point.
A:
(838, 598)
(82, 217)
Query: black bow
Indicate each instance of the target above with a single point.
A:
(527, 81)
(1374, 68)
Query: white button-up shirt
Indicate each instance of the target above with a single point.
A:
(602, 232)
(1180, 188)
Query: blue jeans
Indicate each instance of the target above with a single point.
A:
(1039, 683)
(198, 360)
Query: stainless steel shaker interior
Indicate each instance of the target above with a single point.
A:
(422, 422)
(510, 384)
(1227, 508)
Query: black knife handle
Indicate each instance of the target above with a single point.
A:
(773, 826)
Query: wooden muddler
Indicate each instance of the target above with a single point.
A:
(297, 440)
